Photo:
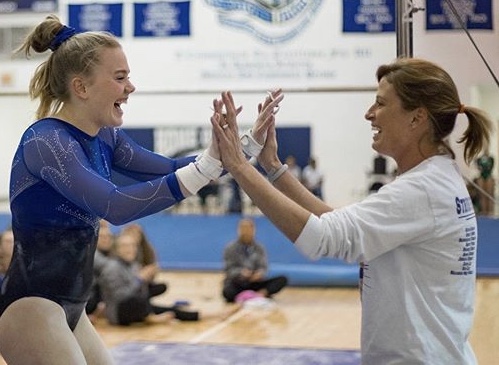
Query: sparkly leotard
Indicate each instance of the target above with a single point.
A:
(60, 187)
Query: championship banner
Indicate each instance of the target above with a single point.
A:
(96, 17)
(249, 45)
(367, 16)
(269, 21)
(162, 19)
(474, 14)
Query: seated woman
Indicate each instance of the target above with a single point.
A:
(125, 291)
(146, 257)
(6, 250)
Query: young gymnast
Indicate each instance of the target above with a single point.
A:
(60, 188)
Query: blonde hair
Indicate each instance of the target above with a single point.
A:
(77, 55)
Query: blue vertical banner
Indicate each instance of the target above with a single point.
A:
(162, 19)
(97, 17)
(28, 6)
(475, 14)
(368, 16)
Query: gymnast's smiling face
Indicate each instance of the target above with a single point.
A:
(108, 88)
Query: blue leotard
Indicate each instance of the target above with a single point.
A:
(60, 187)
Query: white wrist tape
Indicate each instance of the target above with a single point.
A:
(249, 144)
(209, 166)
(199, 173)
(191, 178)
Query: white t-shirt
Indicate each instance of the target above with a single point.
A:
(312, 178)
(417, 239)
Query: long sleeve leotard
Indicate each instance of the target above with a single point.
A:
(60, 187)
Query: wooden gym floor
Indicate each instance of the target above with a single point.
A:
(308, 317)
(326, 318)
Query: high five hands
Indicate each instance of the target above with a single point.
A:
(226, 132)
(266, 115)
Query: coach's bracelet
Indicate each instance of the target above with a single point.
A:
(273, 175)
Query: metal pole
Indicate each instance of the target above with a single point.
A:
(404, 28)
(404, 10)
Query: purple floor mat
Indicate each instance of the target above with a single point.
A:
(155, 353)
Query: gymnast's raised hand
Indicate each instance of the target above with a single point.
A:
(249, 144)
(290, 205)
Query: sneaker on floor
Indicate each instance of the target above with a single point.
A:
(247, 295)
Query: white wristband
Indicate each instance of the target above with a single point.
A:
(191, 178)
(275, 174)
(249, 144)
(199, 173)
(209, 166)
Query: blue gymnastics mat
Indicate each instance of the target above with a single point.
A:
(152, 353)
(196, 242)
(488, 247)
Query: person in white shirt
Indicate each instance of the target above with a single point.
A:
(416, 238)
(293, 167)
(312, 178)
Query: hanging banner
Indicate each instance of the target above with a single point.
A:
(368, 16)
(205, 45)
(35, 6)
(474, 14)
(162, 19)
(270, 21)
(97, 17)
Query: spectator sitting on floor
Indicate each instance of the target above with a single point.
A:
(245, 265)
(125, 290)
(126, 294)
(146, 257)
(105, 240)
(6, 249)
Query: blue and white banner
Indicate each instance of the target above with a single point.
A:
(97, 17)
(368, 16)
(474, 14)
(251, 45)
(35, 6)
(162, 19)
(270, 21)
